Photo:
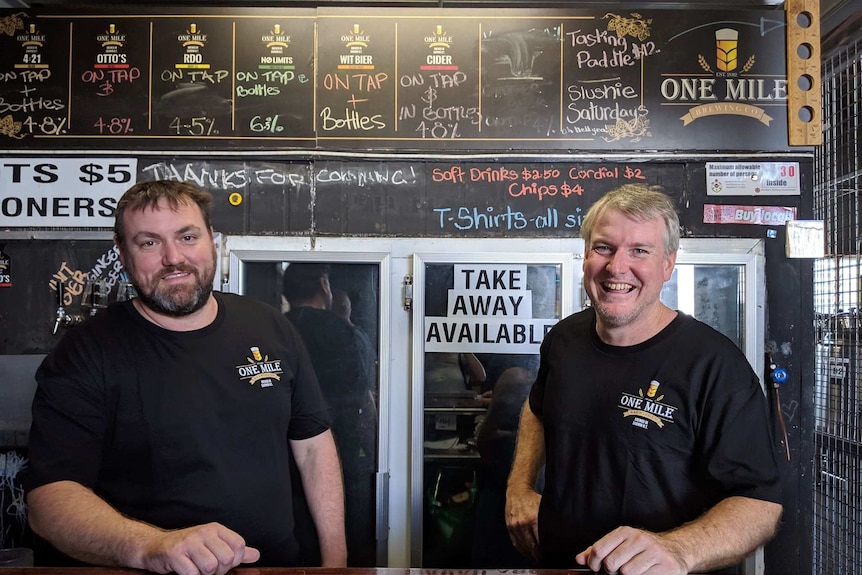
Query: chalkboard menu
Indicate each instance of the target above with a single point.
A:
(405, 79)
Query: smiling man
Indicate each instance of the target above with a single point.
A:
(652, 426)
(163, 426)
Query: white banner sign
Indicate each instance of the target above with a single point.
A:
(63, 192)
(752, 179)
(489, 310)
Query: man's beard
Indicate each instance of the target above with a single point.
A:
(182, 300)
(615, 319)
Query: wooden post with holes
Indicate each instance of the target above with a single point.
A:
(804, 104)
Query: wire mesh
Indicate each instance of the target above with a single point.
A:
(837, 524)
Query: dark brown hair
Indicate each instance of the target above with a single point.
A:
(147, 195)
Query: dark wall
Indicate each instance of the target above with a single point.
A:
(452, 198)
(198, 122)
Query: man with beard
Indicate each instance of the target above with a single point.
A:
(652, 426)
(162, 427)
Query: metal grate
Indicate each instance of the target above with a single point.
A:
(837, 537)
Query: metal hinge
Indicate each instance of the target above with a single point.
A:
(407, 293)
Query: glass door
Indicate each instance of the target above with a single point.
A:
(478, 321)
(334, 301)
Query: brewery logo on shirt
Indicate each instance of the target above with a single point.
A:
(645, 408)
(260, 369)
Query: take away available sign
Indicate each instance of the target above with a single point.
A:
(489, 310)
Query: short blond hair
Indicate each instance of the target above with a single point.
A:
(640, 202)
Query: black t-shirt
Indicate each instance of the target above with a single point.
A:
(649, 436)
(181, 428)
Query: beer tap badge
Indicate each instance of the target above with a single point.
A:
(355, 43)
(32, 41)
(276, 42)
(112, 55)
(192, 41)
(439, 43)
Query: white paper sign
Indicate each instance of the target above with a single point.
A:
(489, 310)
(63, 192)
(752, 179)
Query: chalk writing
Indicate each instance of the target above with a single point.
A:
(617, 56)
(26, 115)
(438, 97)
(215, 178)
(193, 76)
(48, 126)
(351, 120)
(266, 83)
(360, 82)
(269, 124)
(74, 282)
(114, 126)
(30, 104)
(107, 78)
(196, 126)
(441, 120)
(362, 177)
(536, 182)
(108, 267)
(472, 218)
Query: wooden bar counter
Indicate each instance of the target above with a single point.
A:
(296, 571)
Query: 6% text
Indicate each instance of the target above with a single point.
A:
(268, 124)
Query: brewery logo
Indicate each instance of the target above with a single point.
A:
(276, 43)
(355, 43)
(260, 369)
(193, 37)
(192, 41)
(726, 83)
(438, 57)
(113, 54)
(32, 41)
(726, 55)
(112, 39)
(647, 408)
